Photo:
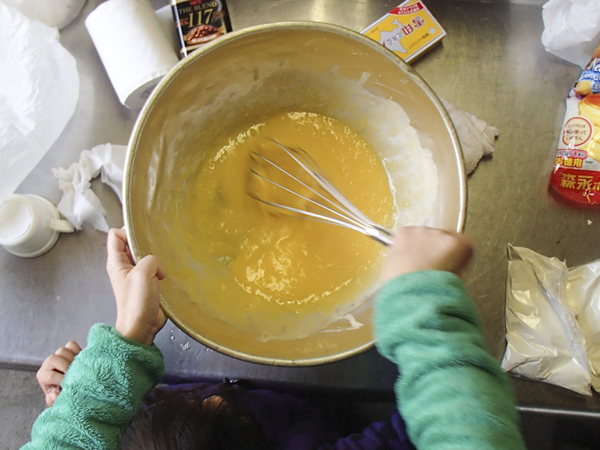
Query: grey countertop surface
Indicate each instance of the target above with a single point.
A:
(491, 64)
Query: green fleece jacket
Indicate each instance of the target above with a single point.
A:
(103, 389)
(451, 392)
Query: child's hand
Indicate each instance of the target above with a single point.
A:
(52, 372)
(422, 248)
(139, 315)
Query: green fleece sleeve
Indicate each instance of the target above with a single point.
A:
(102, 390)
(452, 394)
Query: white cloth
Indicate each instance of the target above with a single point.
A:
(476, 136)
(79, 203)
(39, 90)
(54, 13)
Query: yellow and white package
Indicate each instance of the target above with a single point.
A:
(408, 30)
(576, 173)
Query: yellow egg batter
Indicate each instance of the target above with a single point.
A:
(258, 269)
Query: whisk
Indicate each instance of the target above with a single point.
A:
(330, 207)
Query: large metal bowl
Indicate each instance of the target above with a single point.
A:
(208, 96)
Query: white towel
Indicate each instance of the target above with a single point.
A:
(79, 203)
(476, 136)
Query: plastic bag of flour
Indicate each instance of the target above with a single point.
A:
(544, 340)
(583, 293)
(576, 173)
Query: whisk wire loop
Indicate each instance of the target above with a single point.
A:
(337, 210)
(315, 215)
(313, 169)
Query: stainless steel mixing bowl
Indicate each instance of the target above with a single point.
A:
(237, 81)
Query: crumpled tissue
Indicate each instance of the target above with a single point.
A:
(79, 203)
(571, 29)
(39, 89)
(476, 136)
(553, 321)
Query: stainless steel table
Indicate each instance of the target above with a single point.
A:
(491, 64)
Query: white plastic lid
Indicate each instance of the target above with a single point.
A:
(15, 220)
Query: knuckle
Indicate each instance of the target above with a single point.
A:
(73, 346)
(48, 363)
(63, 352)
(57, 362)
(53, 360)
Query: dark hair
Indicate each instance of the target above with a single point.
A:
(202, 417)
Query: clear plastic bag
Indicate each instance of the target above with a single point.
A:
(583, 294)
(544, 340)
(571, 29)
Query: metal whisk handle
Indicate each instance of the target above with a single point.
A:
(381, 235)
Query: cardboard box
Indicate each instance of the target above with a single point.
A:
(409, 30)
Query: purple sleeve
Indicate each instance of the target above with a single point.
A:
(393, 434)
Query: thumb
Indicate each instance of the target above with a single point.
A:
(73, 346)
(52, 396)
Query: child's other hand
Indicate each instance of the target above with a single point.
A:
(53, 369)
(422, 248)
(139, 315)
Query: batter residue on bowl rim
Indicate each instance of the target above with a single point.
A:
(281, 276)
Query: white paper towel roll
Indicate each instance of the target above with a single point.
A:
(132, 46)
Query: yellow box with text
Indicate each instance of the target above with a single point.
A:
(408, 30)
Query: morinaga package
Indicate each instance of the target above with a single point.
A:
(576, 173)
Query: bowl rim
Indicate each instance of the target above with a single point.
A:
(223, 40)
